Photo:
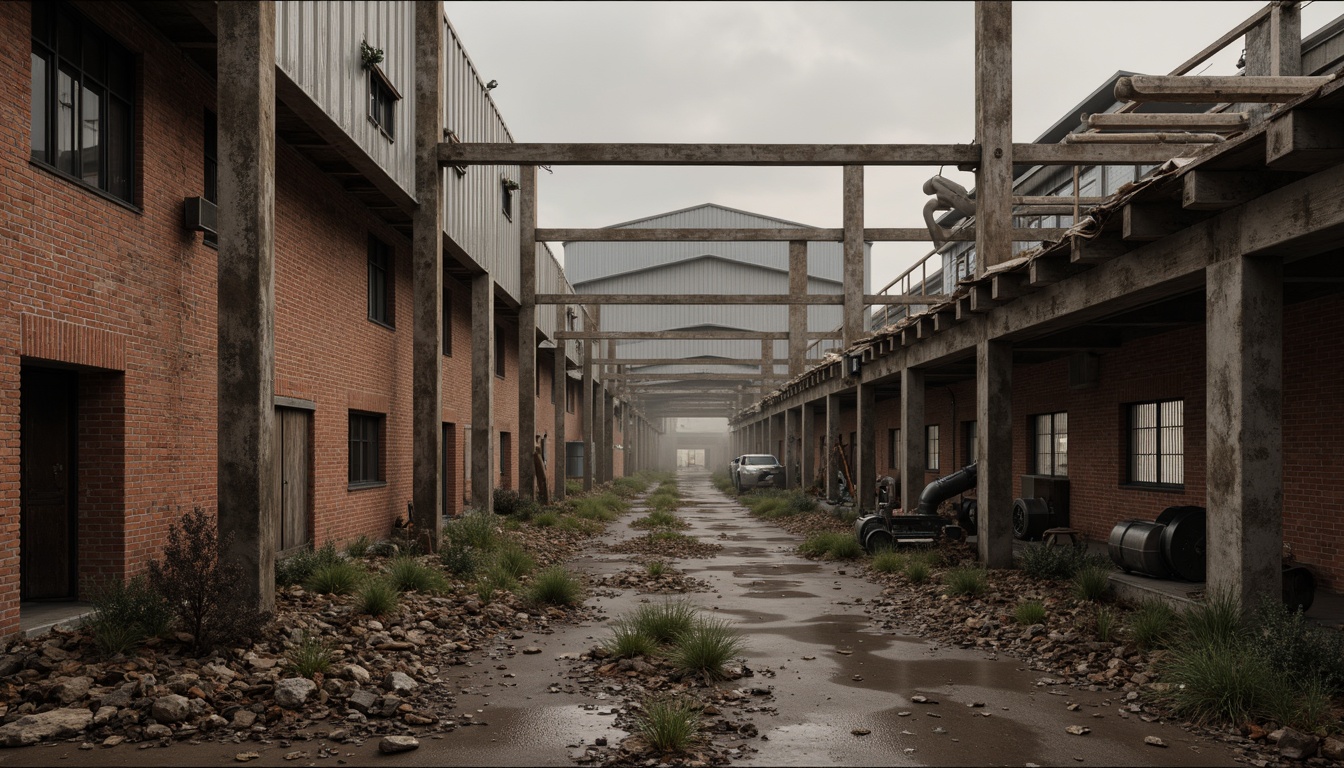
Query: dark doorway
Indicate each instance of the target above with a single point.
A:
(506, 461)
(447, 486)
(292, 454)
(47, 526)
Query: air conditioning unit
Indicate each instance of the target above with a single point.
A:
(1054, 491)
(201, 215)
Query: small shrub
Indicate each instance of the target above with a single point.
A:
(547, 519)
(495, 579)
(512, 559)
(627, 487)
(847, 515)
(359, 547)
(706, 647)
(592, 508)
(1219, 682)
(664, 622)
(309, 658)
(1105, 619)
(461, 560)
(1151, 624)
(202, 587)
(1057, 563)
(339, 578)
(1309, 655)
(917, 570)
(1307, 708)
(797, 502)
(1028, 613)
(669, 725)
(1216, 621)
(408, 574)
(655, 568)
(968, 581)
(473, 529)
(377, 597)
(627, 641)
(113, 639)
(1091, 582)
(124, 613)
(889, 561)
(555, 586)
(506, 502)
(296, 568)
(769, 508)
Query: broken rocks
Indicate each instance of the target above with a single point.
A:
(391, 745)
(293, 692)
(55, 724)
(172, 708)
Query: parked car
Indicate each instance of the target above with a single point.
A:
(755, 470)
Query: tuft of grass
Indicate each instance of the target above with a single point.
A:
(512, 559)
(309, 658)
(706, 647)
(889, 561)
(967, 581)
(1214, 622)
(659, 518)
(1028, 613)
(579, 524)
(655, 568)
(1092, 582)
(917, 570)
(670, 536)
(555, 586)
(407, 574)
(1105, 619)
(113, 638)
(494, 580)
(461, 560)
(1152, 623)
(1218, 682)
(721, 481)
(628, 487)
(296, 568)
(359, 547)
(125, 613)
(338, 578)
(473, 529)
(832, 545)
(1308, 709)
(670, 724)
(377, 597)
(573, 487)
(627, 641)
(1057, 563)
(664, 622)
(591, 508)
(547, 519)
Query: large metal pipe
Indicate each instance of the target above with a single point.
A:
(945, 488)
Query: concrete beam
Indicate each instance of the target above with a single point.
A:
(817, 235)
(248, 508)
(427, 276)
(994, 478)
(527, 330)
(483, 392)
(797, 313)
(854, 283)
(1244, 413)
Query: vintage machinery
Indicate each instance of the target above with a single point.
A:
(886, 529)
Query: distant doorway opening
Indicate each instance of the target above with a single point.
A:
(690, 457)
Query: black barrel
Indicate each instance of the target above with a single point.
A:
(877, 540)
(1031, 518)
(1299, 588)
(866, 524)
(1136, 546)
(1183, 542)
(966, 512)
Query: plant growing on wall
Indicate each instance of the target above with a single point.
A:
(370, 55)
(509, 184)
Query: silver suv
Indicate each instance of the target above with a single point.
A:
(755, 470)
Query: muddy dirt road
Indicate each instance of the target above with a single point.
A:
(834, 673)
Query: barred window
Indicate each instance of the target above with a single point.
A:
(1157, 443)
(931, 446)
(1051, 444)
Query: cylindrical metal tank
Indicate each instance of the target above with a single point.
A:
(1136, 546)
(1031, 518)
(1183, 542)
(867, 524)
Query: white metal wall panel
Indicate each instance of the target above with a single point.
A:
(317, 46)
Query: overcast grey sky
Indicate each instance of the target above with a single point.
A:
(801, 72)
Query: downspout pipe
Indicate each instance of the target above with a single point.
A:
(945, 488)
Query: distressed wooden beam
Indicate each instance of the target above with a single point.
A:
(1098, 251)
(1152, 221)
(982, 298)
(687, 298)
(1047, 269)
(1215, 190)
(994, 131)
(708, 334)
(1305, 140)
(1152, 137)
(1006, 287)
(717, 235)
(635, 361)
(1205, 89)
(1226, 122)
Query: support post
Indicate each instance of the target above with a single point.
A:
(608, 436)
(1244, 412)
(248, 507)
(527, 330)
(994, 478)
(994, 133)
(865, 453)
(560, 394)
(797, 312)
(912, 437)
(483, 437)
(791, 417)
(586, 401)
(807, 438)
(853, 254)
(832, 462)
(427, 275)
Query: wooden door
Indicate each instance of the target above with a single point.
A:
(292, 461)
(47, 491)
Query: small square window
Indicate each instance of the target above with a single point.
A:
(365, 447)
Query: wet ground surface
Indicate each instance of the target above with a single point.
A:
(834, 674)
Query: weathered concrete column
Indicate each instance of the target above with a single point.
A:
(994, 479)
(247, 503)
(609, 437)
(483, 392)
(1274, 47)
(560, 394)
(1244, 481)
(586, 400)
(866, 452)
(427, 275)
(912, 437)
(527, 330)
(797, 312)
(832, 462)
(791, 457)
(807, 438)
(993, 132)
(601, 431)
(854, 277)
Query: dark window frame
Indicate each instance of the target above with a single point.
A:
(447, 340)
(365, 454)
(893, 449)
(1052, 435)
(210, 167)
(506, 198)
(381, 282)
(66, 43)
(970, 435)
(1159, 437)
(501, 350)
(933, 447)
(383, 98)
